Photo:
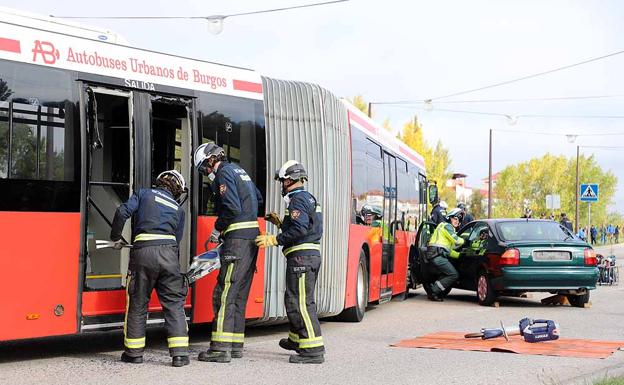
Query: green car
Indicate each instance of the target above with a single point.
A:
(508, 257)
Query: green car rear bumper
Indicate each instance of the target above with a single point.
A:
(551, 278)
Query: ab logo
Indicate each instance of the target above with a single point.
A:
(48, 53)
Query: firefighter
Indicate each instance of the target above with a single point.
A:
(441, 246)
(300, 236)
(157, 227)
(438, 212)
(237, 201)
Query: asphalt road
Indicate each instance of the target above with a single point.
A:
(356, 353)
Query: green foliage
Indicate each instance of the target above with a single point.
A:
(437, 159)
(619, 380)
(477, 209)
(359, 103)
(536, 178)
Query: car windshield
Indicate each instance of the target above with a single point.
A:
(532, 231)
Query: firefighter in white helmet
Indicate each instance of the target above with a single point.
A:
(300, 236)
(237, 201)
(157, 227)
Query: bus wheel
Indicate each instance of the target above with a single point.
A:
(356, 313)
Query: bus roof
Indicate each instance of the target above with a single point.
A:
(371, 128)
(46, 41)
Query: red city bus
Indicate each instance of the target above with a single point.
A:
(85, 119)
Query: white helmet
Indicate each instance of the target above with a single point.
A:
(293, 170)
(444, 205)
(204, 152)
(173, 180)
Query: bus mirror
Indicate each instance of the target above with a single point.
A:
(433, 193)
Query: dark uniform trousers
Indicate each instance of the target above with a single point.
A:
(155, 267)
(305, 329)
(238, 263)
(440, 268)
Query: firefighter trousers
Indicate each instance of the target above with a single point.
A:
(305, 329)
(238, 264)
(446, 274)
(155, 267)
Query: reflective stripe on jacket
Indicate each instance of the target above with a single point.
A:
(445, 237)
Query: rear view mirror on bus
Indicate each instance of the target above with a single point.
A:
(433, 193)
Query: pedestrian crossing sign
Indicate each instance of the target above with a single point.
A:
(589, 192)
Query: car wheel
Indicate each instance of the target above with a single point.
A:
(578, 300)
(356, 313)
(485, 292)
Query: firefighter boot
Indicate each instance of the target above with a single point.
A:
(287, 344)
(299, 359)
(215, 356)
(178, 361)
(130, 359)
(237, 354)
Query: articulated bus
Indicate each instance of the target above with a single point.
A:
(85, 119)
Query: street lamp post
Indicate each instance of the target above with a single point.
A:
(576, 187)
(489, 209)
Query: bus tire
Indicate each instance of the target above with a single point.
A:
(356, 313)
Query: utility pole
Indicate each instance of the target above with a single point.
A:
(576, 188)
(489, 209)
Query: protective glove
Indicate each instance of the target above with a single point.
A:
(266, 240)
(215, 236)
(118, 245)
(274, 218)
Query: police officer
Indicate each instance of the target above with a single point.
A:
(441, 246)
(237, 201)
(439, 212)
(157, 228)
(300, 237)
(466, 217)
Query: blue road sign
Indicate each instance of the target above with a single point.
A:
(589, 192)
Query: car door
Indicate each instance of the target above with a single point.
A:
(417, 271)
(472, 253)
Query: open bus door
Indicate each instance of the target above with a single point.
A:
(131, 137)
(388, 227)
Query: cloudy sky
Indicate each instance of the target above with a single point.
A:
(413, 50)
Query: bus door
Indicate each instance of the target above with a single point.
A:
(388, 227)
(170, 149)
(110, 173)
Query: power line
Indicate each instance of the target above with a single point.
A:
(512, 100)
(514, 116)
(561, 133)
(527, 76)
(202, 17)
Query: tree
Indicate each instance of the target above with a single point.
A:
(437, 159)
(534, 179)
(359, 103)
(5, 91)
(476, 205)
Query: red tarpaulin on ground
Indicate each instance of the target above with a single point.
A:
(564, 347)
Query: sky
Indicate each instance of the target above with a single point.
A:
(415, 50)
